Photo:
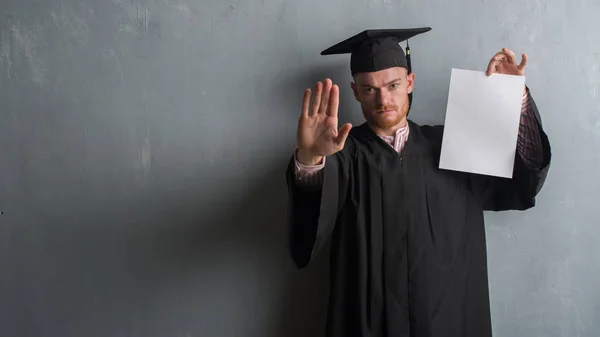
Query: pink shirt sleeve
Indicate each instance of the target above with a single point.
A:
(308, 175)
(529, 143)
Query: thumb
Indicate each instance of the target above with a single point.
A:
(523, 62)
(343, 134)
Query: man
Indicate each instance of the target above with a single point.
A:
(408, 250)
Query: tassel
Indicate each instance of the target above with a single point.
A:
(409, 66)
(408, 63)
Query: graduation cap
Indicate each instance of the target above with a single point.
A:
(377, 49)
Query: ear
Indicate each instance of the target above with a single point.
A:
(410, 78)
(355, 91)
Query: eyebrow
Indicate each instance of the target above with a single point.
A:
(391, 82)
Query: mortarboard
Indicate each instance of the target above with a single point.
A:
(377, 49)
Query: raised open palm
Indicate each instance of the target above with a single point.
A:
(318, 134)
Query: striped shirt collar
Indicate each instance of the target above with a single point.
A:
(399, 139)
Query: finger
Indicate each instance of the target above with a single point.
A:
(343, 134)
(512, 58)
(306, 103)
(317, 99)
(523, 62)
(494, 62)
(334, 101)
(325, 98)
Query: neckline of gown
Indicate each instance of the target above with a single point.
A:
(415, 143)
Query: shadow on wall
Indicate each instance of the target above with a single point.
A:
(238, 255)
(251, 235)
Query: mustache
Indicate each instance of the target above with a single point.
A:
(386, 108)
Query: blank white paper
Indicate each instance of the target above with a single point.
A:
(482, 123)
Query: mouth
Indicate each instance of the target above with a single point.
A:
(383, 112)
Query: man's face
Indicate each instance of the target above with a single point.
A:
(383, 96)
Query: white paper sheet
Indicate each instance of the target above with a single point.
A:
(482, 123)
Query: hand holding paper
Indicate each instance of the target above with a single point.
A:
(505, 62)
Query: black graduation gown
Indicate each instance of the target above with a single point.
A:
(408, 247)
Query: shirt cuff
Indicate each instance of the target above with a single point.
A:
(307, 168)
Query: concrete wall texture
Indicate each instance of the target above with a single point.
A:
(143, 145)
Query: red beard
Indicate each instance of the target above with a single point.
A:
(385, 120)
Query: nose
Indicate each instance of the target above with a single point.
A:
(383, 97)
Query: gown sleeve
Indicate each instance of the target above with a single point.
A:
(532, 162)
(313, 208)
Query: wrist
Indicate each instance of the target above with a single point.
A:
(305, 158)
